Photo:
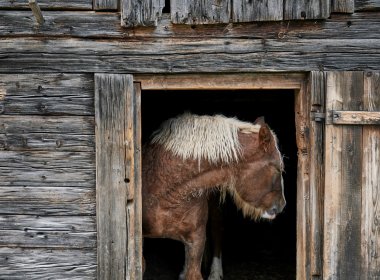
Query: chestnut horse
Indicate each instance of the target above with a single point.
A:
(189, 158)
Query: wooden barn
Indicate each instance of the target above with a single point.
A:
(84, 82)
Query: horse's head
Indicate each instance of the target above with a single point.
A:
(259, 188)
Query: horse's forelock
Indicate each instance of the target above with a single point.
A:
(213, 138)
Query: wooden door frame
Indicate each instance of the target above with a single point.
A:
(302, 84)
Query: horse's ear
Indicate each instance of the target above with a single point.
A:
(260, 121)
(265, 137)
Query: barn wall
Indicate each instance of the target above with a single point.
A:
(47, 185)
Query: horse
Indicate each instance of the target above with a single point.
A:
(189, 158)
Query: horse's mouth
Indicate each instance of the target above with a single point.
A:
(268, 215)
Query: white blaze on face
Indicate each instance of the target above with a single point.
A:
(266, 215)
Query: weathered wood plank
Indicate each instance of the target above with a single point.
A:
(137, 202)
(343, 198)
(302, 104)
(48, 4)
(47, 142)
(82, 125)
(54, 169)
(367, 5)
(115, 180)
(200, 11)
(343, 6)
(370, 228)
(44, 264)
(50, 232)
(317, 89)
(355, 117)
(222, 82)
(163, 56)
(257, 10)
(86, 25)
(315, 9)
(105, 5)
(141, 13)
(59, 201)
(50, 94)
(47, 160)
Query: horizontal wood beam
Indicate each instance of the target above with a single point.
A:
(48, 4)
(47, 263)
(220, 82)
(86, 25)
(355, 117)
(186, 55)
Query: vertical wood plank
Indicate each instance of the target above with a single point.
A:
(343, 180)
(114, 145)
(141, 13)
(343, 6)
(105, 5)
(138, 183)
(200, 11)
(305, 9)
(317, 92)
(302, 105)
(257, 10)
(370, 245)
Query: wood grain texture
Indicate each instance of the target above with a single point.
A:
(42, 263)
(305, 9)
(27, 231)
(86, 25)
(367, 5)
(343, 180)
(317, 83)
(200, 11)
(50, 94)
(370, 228)
(57, 201)
(170, 56)
(48, 4)
(355, 117)
(105, 5)
(114, 113)
(141, 13)
(257, 10)
(302, 118)
(343, 6)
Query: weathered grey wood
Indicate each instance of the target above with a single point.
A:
(51, 232)
(50, 94)
(58, 201)
(243, 55)
(200, 11)
(47, 142)
(86, 24)
(343, 180)
(141, 13)
(137, 234)
(315, 9)
(49, 160)
(82, 125)
(367, 5)
(105, 5)
(114, 113)
(302, 118)
(48, 4)
(355, 117)
(343, 6)
(38, 264)
(370, 228)
(317, 89)
(257, 10)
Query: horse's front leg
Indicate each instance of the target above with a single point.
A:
(193, 256)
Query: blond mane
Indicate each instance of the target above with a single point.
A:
(211, 138)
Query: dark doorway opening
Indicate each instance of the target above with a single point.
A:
(251, 250)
